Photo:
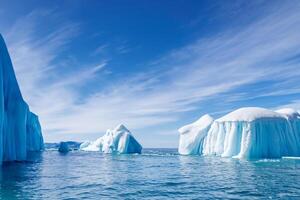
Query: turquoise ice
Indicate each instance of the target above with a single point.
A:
(63, 147)
(20, 130)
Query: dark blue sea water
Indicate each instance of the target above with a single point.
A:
(156, 174)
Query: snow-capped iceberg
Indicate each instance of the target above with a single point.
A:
(63, 147)
(118, 140)
(20, 130)
(253, 133)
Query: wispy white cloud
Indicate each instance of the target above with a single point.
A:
(181, 81)
(100, 50)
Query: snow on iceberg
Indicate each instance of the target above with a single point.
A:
(289, 113)
(192, 135)
(118, 140)
(253, 132)
(18, 133)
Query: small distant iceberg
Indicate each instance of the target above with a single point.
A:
(249, 132)
(119, 140)
(63, 147)
(20, 128)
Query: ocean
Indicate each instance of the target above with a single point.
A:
(154, 174)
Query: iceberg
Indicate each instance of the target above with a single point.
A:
(249, 132)
(119, 140)
(20, 129)
(63, 147)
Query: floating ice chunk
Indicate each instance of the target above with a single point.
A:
(192, 135)
(119, 140)
(63, 147)
(254, 132)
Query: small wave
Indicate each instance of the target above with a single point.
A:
(268, 160)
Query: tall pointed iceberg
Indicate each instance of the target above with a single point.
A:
(19, 128)
(118, 140)
(250, 132)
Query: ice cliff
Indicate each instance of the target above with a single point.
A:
(20, 130)
(34, 135)
(118, 140)
(244, 133)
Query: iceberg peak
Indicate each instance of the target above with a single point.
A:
(205, 119)
(121, 127)
(201, 123)
(192, 135)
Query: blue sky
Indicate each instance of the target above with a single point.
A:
(86, 66)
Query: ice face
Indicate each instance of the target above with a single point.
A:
(118, 140)
(253, 133)
(34, 135)
(20, 130)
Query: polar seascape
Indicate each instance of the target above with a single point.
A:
(149, 100)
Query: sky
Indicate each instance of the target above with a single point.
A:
(154, 66)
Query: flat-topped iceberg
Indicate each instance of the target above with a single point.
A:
(20, 128)
(118, 140)
(250, 133)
